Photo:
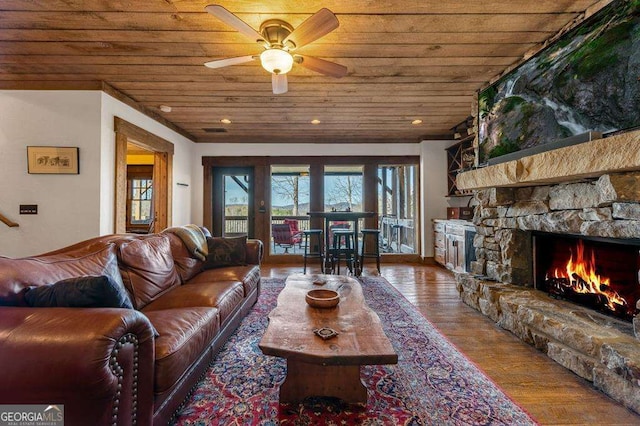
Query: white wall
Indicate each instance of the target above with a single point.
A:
(182, 162)
(433, 170)
(76, 207)
(68, 205)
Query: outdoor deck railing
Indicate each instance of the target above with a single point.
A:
(237, 225)
(397, 234)
(303, 221)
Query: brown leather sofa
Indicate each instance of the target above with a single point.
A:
(106, 365)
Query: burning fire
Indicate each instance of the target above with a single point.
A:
(582, 278)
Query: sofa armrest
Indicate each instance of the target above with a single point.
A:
(255, 251)
(97, 362)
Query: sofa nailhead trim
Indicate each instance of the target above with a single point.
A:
(118, 371)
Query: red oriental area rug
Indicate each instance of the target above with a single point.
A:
(432, 384)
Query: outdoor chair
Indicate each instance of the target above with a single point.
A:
(295, 231)
(282, 236)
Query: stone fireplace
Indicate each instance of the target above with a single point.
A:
(584, 198)
(507, 218)
(598, 273)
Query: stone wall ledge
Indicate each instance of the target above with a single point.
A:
(586, 160)
(594, 346)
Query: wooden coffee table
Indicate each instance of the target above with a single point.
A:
(317, 367)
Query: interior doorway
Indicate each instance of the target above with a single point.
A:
(233, 201)
(161, 150)
(140, 191)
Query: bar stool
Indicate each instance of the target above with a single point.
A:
(375, 254)
(343, 247)
(310, 252)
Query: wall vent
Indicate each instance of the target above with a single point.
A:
(215, 130)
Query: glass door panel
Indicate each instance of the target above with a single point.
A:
(397, 206)
(343, 191)
(290, 189)
(343, 188)
(233, 201)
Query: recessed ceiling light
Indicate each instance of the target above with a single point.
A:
(225, 121)
(165, 108)
(315, 121)
(416, 121)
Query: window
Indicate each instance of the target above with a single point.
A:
(141, 201)
(290, 189)
(397, 206)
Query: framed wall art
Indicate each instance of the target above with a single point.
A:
(53, 160)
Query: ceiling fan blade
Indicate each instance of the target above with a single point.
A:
(314, 27)
(232, 20)
(323, 67)
(229, 61)
(279, 83)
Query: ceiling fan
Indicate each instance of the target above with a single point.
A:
(279, 39)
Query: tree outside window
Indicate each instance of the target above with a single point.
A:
(343, 188)
(290, 189)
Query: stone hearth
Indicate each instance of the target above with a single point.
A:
(598, 348)
(595, 347)
(606, 207)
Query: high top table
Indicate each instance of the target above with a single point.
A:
(317, 367)
(341, 216)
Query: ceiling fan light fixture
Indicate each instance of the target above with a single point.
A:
(276, 61)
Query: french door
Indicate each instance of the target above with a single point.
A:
(263, 191)
(233, 201)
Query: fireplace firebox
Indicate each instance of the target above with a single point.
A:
(599, 273)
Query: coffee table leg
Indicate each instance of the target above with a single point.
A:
(340, 381)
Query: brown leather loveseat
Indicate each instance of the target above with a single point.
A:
(115, 365)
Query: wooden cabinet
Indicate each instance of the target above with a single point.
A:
(452, 239)
(455, 258)
(460, 156)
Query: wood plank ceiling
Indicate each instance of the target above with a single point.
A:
(407, 59)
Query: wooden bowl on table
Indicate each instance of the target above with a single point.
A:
(322, 298)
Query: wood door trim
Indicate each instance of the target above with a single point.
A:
(163, 161)
(142, 137)
(311, 160)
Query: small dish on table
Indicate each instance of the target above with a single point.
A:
(319, 281)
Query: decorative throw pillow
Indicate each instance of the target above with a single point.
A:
(80, 292)
(20, 274)
(226, 251)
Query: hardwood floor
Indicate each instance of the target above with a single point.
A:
(549, 392)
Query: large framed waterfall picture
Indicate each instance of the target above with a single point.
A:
(585, 82)
(53, 160)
